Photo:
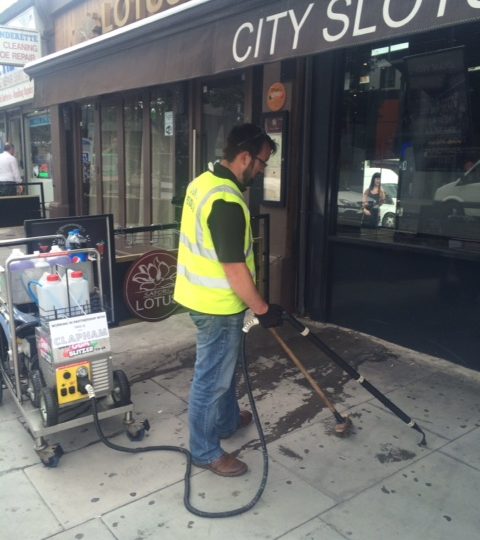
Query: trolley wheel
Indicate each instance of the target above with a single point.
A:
(35, 387)
(48, 407)
(50, 455)
(137, 430)
(121, 388)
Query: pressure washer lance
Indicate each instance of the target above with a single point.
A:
(305, 332)
(85, 386)
(343, 422)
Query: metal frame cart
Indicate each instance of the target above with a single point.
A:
(42, 357)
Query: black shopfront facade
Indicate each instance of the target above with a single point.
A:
(377, 86)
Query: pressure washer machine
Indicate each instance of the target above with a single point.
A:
(54, 335)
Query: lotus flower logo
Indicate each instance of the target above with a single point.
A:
(156, 276)
(149, 285)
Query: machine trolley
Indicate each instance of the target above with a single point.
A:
(54, 335)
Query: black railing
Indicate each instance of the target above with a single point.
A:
(165, 236)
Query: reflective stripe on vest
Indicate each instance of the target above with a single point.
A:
(201, 283)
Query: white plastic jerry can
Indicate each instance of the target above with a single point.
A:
(52, 296)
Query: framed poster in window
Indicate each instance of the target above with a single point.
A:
(274, 181)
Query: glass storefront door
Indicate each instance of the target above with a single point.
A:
(223, 106)
(38, 162)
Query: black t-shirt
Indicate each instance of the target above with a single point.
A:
(227, 223)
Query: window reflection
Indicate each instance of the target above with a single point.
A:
(135, 185)
(87, 131)
(110, 150)
(411, 113)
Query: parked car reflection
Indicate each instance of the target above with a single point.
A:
(350, 208)
(462, 196)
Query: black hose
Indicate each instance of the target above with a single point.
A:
(305, 332)
(188, 456)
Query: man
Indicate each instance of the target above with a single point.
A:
(9, 171)
(215, 281)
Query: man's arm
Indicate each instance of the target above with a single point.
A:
(244, 287)
(15, 170)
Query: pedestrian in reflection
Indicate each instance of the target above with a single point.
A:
(373, 198)
(9, 171)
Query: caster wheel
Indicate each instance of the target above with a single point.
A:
(137, 430)
(121, 388)
(137, 435)
(48, 407)
(50, 455)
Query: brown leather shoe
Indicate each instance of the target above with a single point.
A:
(245, 418)
(227, 465)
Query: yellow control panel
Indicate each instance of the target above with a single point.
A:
(67, 389)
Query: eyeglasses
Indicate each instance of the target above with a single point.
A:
(264, 163)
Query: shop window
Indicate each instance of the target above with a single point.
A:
(169, 136)
(411, 114)
(38, 151)
(87, 131)
(135, 185)
(223, 108)
(110, 150)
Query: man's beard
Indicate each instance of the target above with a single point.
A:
(248, 178)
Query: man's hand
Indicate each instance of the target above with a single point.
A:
(272, 317)
(19, 190)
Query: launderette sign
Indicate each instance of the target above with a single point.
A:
(17, 47)
(289, 28)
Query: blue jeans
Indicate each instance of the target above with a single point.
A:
(213, 407)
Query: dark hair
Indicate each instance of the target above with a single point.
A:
(246, 138)
(374, 177)
(8, 146)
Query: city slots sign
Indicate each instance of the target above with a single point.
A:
(284, 28)
(122, 12)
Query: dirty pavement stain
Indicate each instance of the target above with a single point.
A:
(289, 453)
(391, 454)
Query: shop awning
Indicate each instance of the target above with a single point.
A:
(206, 37)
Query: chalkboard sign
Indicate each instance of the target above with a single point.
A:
(437, 109)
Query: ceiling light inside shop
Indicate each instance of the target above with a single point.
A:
(390, 48)
(474, 68)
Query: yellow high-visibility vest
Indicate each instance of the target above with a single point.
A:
(201, 283)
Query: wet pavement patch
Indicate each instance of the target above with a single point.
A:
(391, 454)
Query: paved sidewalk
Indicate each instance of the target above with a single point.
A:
(376, 484)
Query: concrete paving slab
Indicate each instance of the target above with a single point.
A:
(16, 450)
(176, 379)
(314, 529)
(24, 514)
(445, 403)
(378, 446)
(94, 529)
(434, 498)
(465, 449)
(8, 407)
(97, 479)
(152, 401)
(154, 345)
(287, 500)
